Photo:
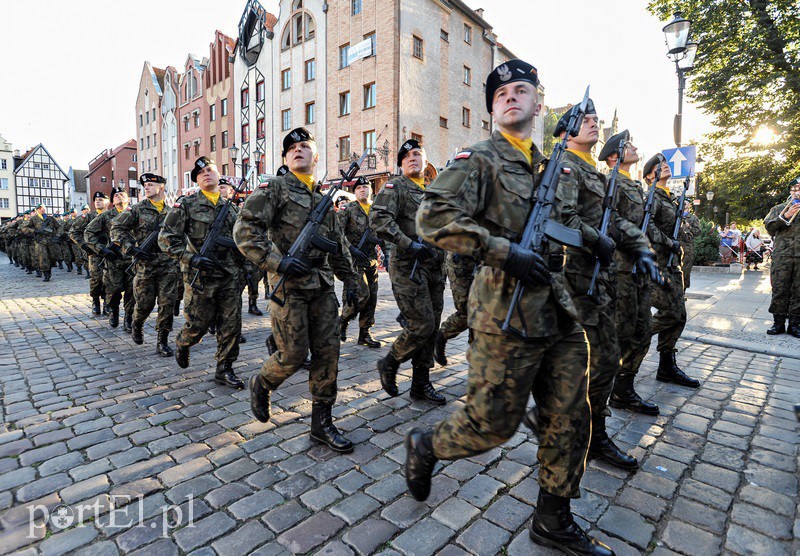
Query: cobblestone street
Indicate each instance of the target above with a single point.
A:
(89, 418)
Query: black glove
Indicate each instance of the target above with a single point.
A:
(527, 266)
(420, 251)
(603, 249)
(351, 296)
(293, 267)
(141, 254)
(203, 263)
(646, 263)
(87, 249)
(358, 256)
(675, 247)
(108, 254)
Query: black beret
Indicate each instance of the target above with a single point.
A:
(561, 126)
(407, 146)
(99, 195)
(224, 181)
(613, 144)
(283, 170)
(297, 135)
(148, 177)
(655, 160)
(794, 182)
(115, 190)
(199, 164)
(511, 71)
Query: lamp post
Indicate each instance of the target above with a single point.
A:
(683, 53)
(710, 197)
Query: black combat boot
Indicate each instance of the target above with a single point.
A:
(366, 339)
(69, 267)
(182, 356)
(668, 371)
(779, 327)
(212, 328)
(242, 339)
(127, 322)
(272, 347)
(96, 306)
(554, 526)
(324, 431)
(106, 308)
(162, 346)
(88, 275)
(137, 334)
(79, 269)
(794, 327)
(420, 462)
(38, 273)
(387, 369)
(343, 330)
(60, 265)
(625, 397)
(176, 310)
(531, 419)
(259, 398)
(307, 363)
(421, 387)
(113, 317)
(46, 276)
(226, 377)
(439, 345)
(254, 310)
(602, 447)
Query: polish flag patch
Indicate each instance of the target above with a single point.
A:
(567, 171)
(176, 205)
(263, 185)
(389, 186)
(463, 155)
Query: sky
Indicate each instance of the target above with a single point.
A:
(70, 68)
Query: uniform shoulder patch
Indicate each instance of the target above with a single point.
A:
(177, 204)
(263, 185)
(389, 185)
(463, 155)
(567, 171)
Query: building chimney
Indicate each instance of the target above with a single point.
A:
(16, 153)
(479, 11)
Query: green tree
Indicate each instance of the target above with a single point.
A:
(706, 245)
(549, 142)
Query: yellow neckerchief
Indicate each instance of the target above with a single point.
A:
(419, 181)
(522, 145)
(365, 207)
(213, 197)
(99, 211)
(664, 188)
(159, 205)
(586, 157)
(118, 209)
(307, 179)
(626, 174)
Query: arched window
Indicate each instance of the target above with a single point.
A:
(300, 27)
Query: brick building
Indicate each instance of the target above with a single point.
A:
(218, 90)
(149, 119)
(192, 117)
(115, 168)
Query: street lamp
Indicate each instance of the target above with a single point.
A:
(233, 152)
(710, 197)
(683, 53)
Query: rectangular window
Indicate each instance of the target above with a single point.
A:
(148, 165)
(3, 164)
(48, 201)
(47, 166)
(224, 139)
(148, 141)
(467, 76)
(155, 167)
(442, 122)
(154, 114)
(224, 106)
(311, 69)
(465, 117)
(213, 143)
(445, 35)
(417, 137)
(186, 124)
(310, 113)
(246, 133)
(3, 183)
(245, 97)
(286, 79)
(484, 124)
(369, 141)
(260, 90)
(344, 148)
(261, 128)
(245, 165)
(141, 120)
(372, 43)
(147, 117)
(467, 34)
(197, 149)
(419, 47)
(344, 50)
(37, 165)
(369, 96)
(186, 151)
(197, 119)
(4, 203)
(356, 7)
(286, 120)
(134, 158)
(224, 169)
(212, 112)
(141, 143)
(344, 103)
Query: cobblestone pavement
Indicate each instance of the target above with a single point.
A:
(89, 418)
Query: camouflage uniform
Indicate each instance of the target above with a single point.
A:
(476, 207)
(156, 279)
(392, 217)
(460, 272)
(64, 244)
(354, 221)
(25, 241)
(784, 272)
(116, 281)
(270, 221)
(78, 254)
(94, 263)
(185, 228)
(690, 229)
(44, 229)
(12, 241)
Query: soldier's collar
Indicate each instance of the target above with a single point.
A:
(509, 153)
(585, 157)
(664, 188)
(626, 174)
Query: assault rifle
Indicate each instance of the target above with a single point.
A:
(215, 239)
(609, 202)
(149, 246)
(676, 230)
(413, 276)
(649, 201)
(539, 227)
(367, 241)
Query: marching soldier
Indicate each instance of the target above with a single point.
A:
(94, 269)
(157, 275)
(44, 230)
(62, 247)
(669, 320)
(784, 272)
(26, 244)
(354, 221)
(271, 220)
(420, 299)
(77, 253)
(116, 281)
(217, 295)
(460, 272)
(690, 229)
(478, 206)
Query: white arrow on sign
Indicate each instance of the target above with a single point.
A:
(677, 162)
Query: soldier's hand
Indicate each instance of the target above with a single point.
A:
(293, 267)
(420, 251)
(203, 263)
(351, 296)
(108, 254)
(675, 247)
(603, 249)
(87, 249)
(527, 266)
(358, 256)
(141, 254)
(646, 263)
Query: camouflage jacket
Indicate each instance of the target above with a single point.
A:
(132, 228)
(785, 239)
(44, 228)
(354, 221)
(630, 207)
(98, 232)
(690, 229)
(477, 207)
(79, 227)
(272, 218)
(665, 210)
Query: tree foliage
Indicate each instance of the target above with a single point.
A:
(706, 244)
(549, 142)
(746, 76)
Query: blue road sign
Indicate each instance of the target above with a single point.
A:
(681, 160)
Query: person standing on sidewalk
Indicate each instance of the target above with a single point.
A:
(784, 273)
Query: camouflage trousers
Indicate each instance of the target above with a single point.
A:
(44, 255)
(687, 260)
(669, 320)
(603, 358)
(156, 282)
(460, 283)
(117, 283)
(220, 302)
(503, 371)
(78, 254)
(62, 251)
(309, 320)
(367, 297)
(784, 275)
(422, 306)
(26, 253)
(633, 321)
(96, 288)
(252, 278)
